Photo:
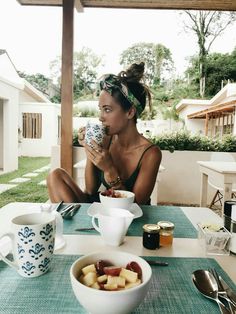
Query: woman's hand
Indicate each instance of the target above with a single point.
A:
(81, 136)
(99, 156)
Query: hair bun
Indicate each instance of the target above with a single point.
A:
(134, 73)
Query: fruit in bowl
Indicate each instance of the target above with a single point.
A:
(105, 281)
(116, 198)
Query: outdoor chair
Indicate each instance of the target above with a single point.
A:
(218, 185)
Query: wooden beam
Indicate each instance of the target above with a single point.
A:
(226, 5)
(229, 106)
(206, 124)
(229, 5)
(67, 86)
(78, 6)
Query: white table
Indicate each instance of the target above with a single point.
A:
(225, 171)
(84, 244)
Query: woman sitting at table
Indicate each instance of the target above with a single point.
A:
(126, 160)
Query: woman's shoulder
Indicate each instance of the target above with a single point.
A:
(150, 145)
(150, 158)
(152, 152)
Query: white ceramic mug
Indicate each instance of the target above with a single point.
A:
(96, 132)
(32, 238)
(113, 224)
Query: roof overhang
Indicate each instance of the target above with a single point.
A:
(33, 92)
(227, 5)
(227, 106)
(191, 102)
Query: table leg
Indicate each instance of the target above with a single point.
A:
(203, 192)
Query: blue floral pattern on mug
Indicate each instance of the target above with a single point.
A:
(37, 251)
(21, 251)
(46, 233)
(51, 247)
(26, 234)
(43, 266)
(28, 268)
(94, 132)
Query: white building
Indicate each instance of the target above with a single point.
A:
(29, 122)
(214, 117)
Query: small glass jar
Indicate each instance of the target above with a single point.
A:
(151, 236)
(166, 232)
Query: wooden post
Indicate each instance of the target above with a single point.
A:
(206, 124)
(67, 86)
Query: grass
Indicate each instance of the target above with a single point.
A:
(28, 191)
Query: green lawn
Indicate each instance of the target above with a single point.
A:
(28, 191)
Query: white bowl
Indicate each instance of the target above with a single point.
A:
(118, 202)
(107, 302)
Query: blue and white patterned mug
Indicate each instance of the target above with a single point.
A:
(33, 238)
(96, 132)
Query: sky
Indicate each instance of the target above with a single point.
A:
(32, 35)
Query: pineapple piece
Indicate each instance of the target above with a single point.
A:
(116, 280)
(102, 279)
(88, 269)
(133, 284)
(110, 287)
(129, 275)
(89, 279)
(95, 286)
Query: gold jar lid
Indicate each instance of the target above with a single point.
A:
(166, 225)
(151, 228)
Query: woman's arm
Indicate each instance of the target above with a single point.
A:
(146, 179)
(92, 172)
(92, 178)
(101, 158)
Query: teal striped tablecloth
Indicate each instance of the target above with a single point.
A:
(151, 214)
(171, 290)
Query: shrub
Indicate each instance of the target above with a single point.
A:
(183, 140)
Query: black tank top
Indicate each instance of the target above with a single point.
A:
(129, 183)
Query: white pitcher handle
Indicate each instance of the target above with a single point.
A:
(12, 264)
(94, 224)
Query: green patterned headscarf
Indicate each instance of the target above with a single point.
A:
(111, 82)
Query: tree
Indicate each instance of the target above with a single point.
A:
(157, 59)
(43, 84)
(219, 68)
(86, 63)
(207, 25)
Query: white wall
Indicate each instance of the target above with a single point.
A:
(194, 125)
(181, 180)
(25, 97)
(1, 133)
(10, 95)
(42, 146)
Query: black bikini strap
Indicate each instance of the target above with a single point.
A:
(143, 154)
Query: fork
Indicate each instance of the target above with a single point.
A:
(70, 211)
(221, 291)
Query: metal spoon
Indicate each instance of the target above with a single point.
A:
(221, 291)
(207, 285)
